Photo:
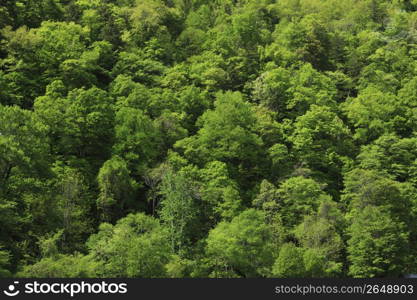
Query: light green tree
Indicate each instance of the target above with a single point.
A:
(378, 244)
(242, 246)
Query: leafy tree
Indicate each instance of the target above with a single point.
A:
(289, 263)
(193, 102)
(72, 208)
(308, 39)
(208, 70)
(268, 200)
(373, 113)
(220, 191)
(92, 68)
(242, 246)
(142, 67)
(180, 267)
(80, 123)
(323, 142)
(299, 196)
(378, 244)
(319, 235)
(390, 154)
(64, 266)
(23, 146)
(292, 92)
(136, 139)
(240, 41)
(315, 264)
(137, 246)
(117, 188)
(192, 38)
(179, 210)
(226, 134)
(369, 188)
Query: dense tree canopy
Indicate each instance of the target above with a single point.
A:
(198, 138)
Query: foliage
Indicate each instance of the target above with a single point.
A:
(242, 246)
(377, 246)
(196, 138)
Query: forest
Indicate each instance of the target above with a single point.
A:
(208, 138)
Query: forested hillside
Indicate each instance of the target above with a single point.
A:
(208, 138)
